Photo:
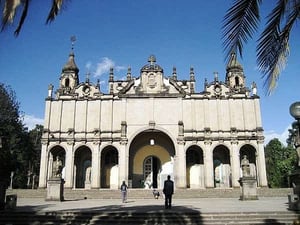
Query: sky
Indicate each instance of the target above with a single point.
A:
(123, 33)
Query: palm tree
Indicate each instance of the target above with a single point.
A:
(241, 22)
(10, 8)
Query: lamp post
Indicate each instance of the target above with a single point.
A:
(295, 112)
(294, 201)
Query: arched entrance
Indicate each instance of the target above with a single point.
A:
(222, 170)
(109, 167)
(150, 159)
(194, 167)
(82, 167)
(152, 167)
(250, 152)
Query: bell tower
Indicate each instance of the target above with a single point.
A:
(69, 78)
(235, 77)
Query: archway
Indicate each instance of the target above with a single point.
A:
(222, 170)
(56, 153)
(83, 159)
(151, 156)
(194, 167)
(109, 161)
(250, 152)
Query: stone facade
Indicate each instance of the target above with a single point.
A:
(151, 126)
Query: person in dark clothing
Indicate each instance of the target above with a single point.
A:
(124, 191)
(168, 191)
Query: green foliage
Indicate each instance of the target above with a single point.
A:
(280, 162)
(20, 150)
(10, 129)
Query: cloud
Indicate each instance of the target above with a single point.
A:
(104, 66)
(30, 121)
(269, 135)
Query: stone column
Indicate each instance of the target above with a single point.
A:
(261, 164)
(180, 166)
(123, 162)
(95, 174)
(69, 165)
(208, 165)
(43, 166)
(235, 164)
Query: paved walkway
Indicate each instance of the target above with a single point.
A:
(204, 205)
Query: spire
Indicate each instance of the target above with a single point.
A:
(233, 63)
(71, 65)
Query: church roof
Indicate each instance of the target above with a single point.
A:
(70, 65)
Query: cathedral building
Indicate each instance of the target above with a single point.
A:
(150, 126)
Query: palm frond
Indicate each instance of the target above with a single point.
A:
(239, 24)
(56, 7)
(23, 17)
(273, 47)
(9, 12)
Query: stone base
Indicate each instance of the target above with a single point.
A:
(248, 188)
(87, 185)
(294, 202)
(55, 189)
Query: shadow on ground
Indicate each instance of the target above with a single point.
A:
(115, 214)
(110, 214)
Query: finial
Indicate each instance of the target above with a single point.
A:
(216, 74)
(192, 74)
(174, 73)
(72, 39)
(129, 73)
(50, 90)
(152, 60)
(111, 74)
(87, 79)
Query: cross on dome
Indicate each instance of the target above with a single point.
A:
(152, 60)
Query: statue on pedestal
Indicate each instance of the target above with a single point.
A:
(245, 166)
(57, 167)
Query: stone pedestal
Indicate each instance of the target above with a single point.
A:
(55, 189)
(248, 188)
(294, 198)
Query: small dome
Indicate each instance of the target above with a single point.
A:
(70, 65)
(152, 66)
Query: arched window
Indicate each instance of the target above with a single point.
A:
(237, 81)
(67, 82)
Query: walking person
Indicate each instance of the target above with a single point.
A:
(124, 191)
(168, 191)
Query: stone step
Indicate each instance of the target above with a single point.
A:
(146, 193)
(153, 217)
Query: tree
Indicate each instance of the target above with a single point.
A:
(280, 162)
(19, 149)
(10, 9)
(241, 22)
(10, 129)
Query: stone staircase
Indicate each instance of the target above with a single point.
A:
(148, 214)
(174, 216)
(145, 194)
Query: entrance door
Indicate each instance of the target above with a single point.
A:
(151, 169)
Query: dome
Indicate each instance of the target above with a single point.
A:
(152, 66)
